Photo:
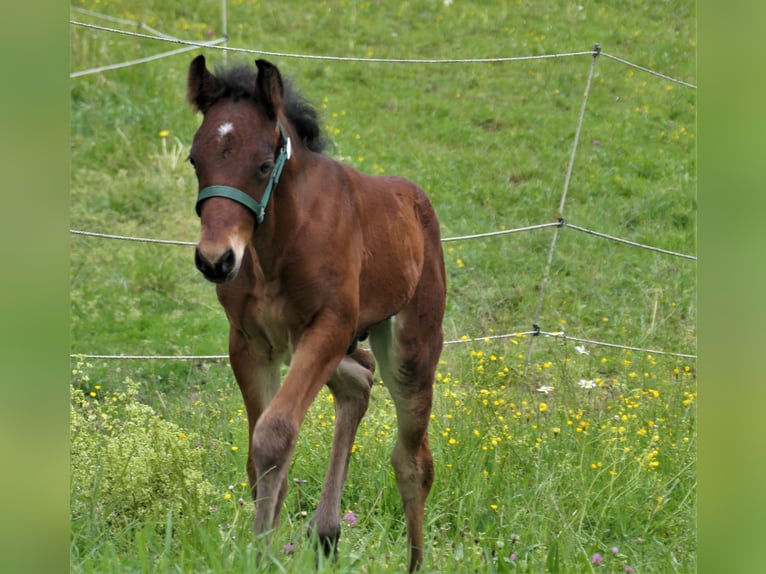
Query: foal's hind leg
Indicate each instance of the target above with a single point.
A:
(407, 362)
(350, 385)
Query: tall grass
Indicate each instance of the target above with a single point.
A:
(588, 450)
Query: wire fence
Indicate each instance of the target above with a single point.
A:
(560, 223)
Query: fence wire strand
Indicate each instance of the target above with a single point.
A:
(333, 58)
(150, 357)
(142, 60)
(501, 232)
(628, 242)
(560, 223)
(129, 238)
(488, 338)
(123, 21)
(462, 340)
(649, 71)
(564, 336)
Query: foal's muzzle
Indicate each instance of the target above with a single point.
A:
(218, 271)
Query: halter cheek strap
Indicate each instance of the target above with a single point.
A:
(257, 207)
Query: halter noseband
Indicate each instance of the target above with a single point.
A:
(257, 207)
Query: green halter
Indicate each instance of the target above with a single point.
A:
(257, 207)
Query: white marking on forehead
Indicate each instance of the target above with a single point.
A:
(225, 128)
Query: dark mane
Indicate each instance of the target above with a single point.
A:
(238, 81)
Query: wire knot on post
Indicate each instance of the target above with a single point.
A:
(596, 50)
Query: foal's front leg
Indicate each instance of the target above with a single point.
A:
(258, 377)
(316, 356)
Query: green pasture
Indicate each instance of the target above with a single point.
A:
(582, 460)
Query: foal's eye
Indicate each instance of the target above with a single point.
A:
(265, 167)
(193, 163)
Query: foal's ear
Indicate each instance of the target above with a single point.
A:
(269, 89)
(202, 86)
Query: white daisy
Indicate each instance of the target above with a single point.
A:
(586, 384)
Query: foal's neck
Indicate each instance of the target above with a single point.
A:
(285, 215)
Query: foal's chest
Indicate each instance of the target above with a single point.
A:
(265, 319)
(259, 309)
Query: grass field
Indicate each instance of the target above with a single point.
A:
(583, 461)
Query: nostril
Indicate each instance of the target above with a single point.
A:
(226, 263)
(200, 262)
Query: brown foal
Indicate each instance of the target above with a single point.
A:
(310, 256)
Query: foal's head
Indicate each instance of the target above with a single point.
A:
(238, 153)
